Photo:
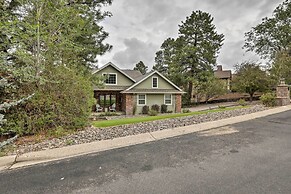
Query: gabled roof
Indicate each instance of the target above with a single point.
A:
(146, 76)
(115, 67)
(135, 74)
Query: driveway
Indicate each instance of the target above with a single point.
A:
(248, 157)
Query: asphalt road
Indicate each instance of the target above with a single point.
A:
(248, 157)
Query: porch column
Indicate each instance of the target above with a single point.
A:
(128, 104)
(178, 103)
(283, 94)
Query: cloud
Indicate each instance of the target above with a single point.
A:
(135, 51)
(139, 27)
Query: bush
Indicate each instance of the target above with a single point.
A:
(164, 108)
(156, 107)
(152, 113)
(145, 110)
(63, 101)
(268, 99)
(242, 102)
(186, 111)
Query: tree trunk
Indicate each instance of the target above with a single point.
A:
(190, 90)
(251, 97)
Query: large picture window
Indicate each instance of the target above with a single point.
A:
(168, 99)
(141, 99)
(111, 78)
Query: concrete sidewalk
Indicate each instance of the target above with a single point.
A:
(12, 162)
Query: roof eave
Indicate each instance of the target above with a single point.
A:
(110, 63)
(140, 81)
(157, 92)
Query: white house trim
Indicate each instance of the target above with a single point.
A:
(155, 77)
(165, 99)
(108, 78)
(111, 64)
(145, 100)
(137, 83)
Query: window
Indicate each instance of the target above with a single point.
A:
(155, 82)
(111, 78)
(141, 99)
(168, 99)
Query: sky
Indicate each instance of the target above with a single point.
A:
(137, 28)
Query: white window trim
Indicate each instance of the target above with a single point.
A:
(145, 100)
(153, 82)
(105, 74)
(165, 99)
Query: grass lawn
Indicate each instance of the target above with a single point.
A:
(110, 123)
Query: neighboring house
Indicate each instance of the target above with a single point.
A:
(129, 90)
(224, 75)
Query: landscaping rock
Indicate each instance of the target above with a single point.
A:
(96, 134)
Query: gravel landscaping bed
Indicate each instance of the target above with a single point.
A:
(96, 134)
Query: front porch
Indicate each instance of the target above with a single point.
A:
(107, 98)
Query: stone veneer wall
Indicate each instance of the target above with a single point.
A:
(283, 95)
(129, 103)
(178, 103)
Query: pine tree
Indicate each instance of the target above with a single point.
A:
(193, 52)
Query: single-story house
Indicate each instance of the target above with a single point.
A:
(129, 90)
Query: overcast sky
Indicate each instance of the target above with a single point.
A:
(138, 27)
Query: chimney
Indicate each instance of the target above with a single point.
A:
(219, 67)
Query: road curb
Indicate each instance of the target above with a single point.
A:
(32, 158)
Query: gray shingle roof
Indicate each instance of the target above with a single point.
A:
(132, 73)
(109, 87)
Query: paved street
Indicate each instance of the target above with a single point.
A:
(248, 157)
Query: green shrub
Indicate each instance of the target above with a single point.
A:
(268, 99)
(164, 108)
(152, 112)
(242, 102)
(169, 111)
(156, 107)
(186, 111)
(145, 110)
(63, 100)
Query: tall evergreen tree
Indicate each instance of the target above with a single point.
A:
(40, 38)
(193, 52)
(201, 45)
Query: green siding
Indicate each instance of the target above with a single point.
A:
(122, 80)
(152, 99)
(147, 84)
